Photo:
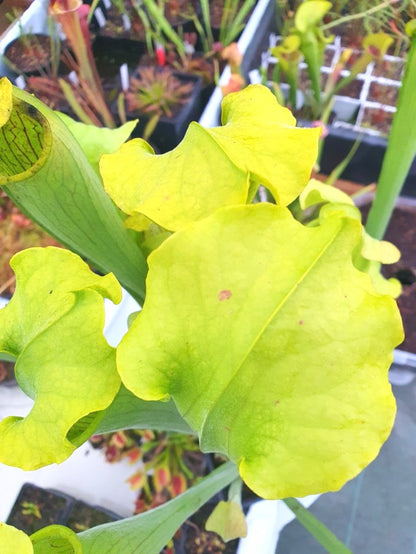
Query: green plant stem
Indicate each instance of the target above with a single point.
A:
(347, 18)
(400, 151)
(92, 10)
(317, 529)
(233, 20)
(235, 491)
(207, 24)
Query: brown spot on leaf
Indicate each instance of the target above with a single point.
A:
(300, 321)
(224, 295)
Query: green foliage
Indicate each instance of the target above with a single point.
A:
(249, 401)
(401, 148)
(371, 253)
(60, 313)
(316, 528)
(46, 172)
(254, 145)
(12, 540)
(261, 334)
(149, 532)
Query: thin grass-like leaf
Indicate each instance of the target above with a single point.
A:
(317, 529)
(400, 151)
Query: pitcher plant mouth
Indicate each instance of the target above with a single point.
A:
(26, 138)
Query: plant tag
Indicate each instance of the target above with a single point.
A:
(254, 77)
(73, 77)
(20, 82)
(124, 76)
(100, 17)
(126, 22)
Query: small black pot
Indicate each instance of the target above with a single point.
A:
(170, 131)
(29, 54)
(111, 53)
(83, 516)
(52, 506)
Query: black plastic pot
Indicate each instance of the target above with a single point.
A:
(52, 506)
(30, 54)
(111, 53)
(36, 507)
(84, 516)
(170, 131)
(365, 166)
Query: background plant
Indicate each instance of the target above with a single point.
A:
(401, 149)
(156, 92)
(168, 463)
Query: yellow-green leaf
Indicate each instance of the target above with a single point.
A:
(96, 141)
(310, 14)
(14, 541)
(6, 100)
(53, 325)
(371, 253)
(211, 168)
(228, 520)
(55, 539)
(46, 173)
(274, 347)
(176, 188)
(317, 192)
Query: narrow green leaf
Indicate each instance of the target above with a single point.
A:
(400, 153)
(321, 533)
(148, 533)
(45, 172)
(54, 326)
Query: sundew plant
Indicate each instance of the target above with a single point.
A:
(268, 337)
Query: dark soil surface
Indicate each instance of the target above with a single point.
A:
(29, 54)
(192, 538)
(389, 69)
(84, 517)
(378, 119)
(36, 508)
(386, 94)
(9, 11)
(115, 26)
